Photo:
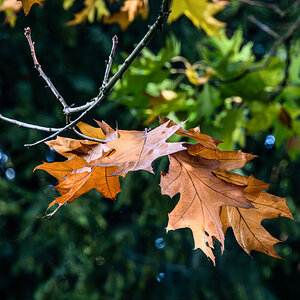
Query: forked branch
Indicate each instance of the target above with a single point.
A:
(105, 88)
(38, 67)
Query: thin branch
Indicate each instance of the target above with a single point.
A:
(70, 125)
(284, 82)
(163, 16)
(110, 60)
(88, 137)
(27, 125)
(263, 27)
(105, 80)
(82, 107)
(38, 67)
(161, 19)
(275, 7)
(289, 33)
(291, 8)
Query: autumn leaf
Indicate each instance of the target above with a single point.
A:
(246, 223)
(128, 12)
(232, 159)
(201, 196)
(200, 12)
(194, 133)
(28, 3)
(207, 148)
(93, 9)
(75, 175)
(136, 150)
(76, 179)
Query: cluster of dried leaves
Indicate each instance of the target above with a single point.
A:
(212, 198)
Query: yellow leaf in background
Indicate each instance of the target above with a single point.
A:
(92, 8)
(11, 8)
(68, 3)
(129, 11)
(194, 77)
(200, 12)
(28, 3)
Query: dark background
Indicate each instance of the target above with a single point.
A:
(94, 249)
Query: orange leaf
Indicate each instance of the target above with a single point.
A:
(201, 196)
(246, 223)
(135, 150)
(194, 133)
(232, 159)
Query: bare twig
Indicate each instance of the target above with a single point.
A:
(289, 33)
(110, 60)
(163, 16)
(275, 7)
(291, 8)
(88, 137)
(284, 82)
(38, 67)
(105, 80)
(27, 125)
(161, 19)
(263, 27)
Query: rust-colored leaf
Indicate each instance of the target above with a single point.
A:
(194, 133)
(246, 223)
(201, 196)
(232, 159)
(136, 150)
(75, 175)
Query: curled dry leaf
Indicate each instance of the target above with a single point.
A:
(75, 175)
(246, 223)
(201, 196)
(136, 150)
(231, 159)
(198, 209)
(194, 133)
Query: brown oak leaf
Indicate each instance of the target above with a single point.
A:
(75, 175)
(201, 196)
(194, 133)
(207, 148)
(246, 223)
(136, 150)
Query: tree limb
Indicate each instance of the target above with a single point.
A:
(161, 19)
(38, 67)
(110, 60)
(275, 7)
(284, 82)
(27, 125)
(263, 27)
